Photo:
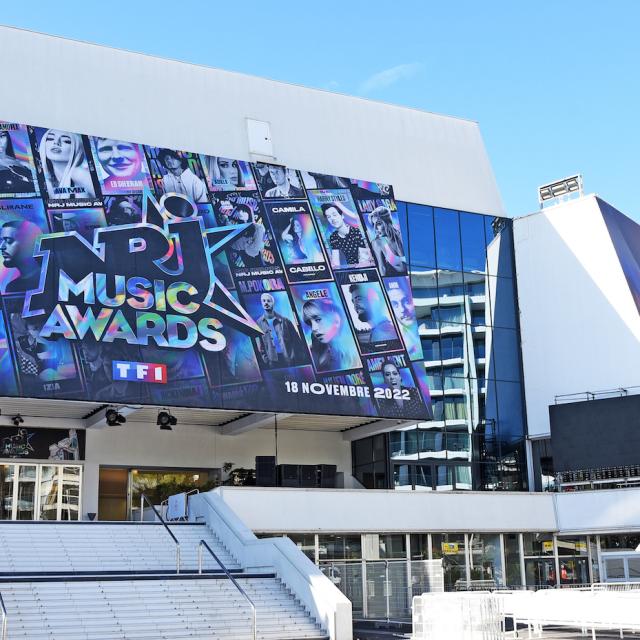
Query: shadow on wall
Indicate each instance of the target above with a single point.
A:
(574, 334)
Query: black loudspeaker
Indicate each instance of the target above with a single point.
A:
(265, 471)
(308, 475)
(327, 476)
(289, 475)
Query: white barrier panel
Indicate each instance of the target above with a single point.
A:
(463, 616)
(585, 610)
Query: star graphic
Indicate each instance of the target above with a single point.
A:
(215, 240)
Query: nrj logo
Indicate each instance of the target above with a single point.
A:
(151, 283)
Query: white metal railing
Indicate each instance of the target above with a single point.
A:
(5, 618)
(233, 581)
(144, 499)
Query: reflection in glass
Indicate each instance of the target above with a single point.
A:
(25, 504)
(473, 242)
(421, 245)
(512, 559)
(447, 230)
(485, 557)
(306, 542)
(451, 548)
(70, 506)
(49, 493)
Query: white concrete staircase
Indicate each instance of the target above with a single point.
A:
(87, 547)
(153, 609)
(102, 581)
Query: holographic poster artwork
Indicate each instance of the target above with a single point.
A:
(139, 274)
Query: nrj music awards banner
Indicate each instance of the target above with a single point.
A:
(138, 274)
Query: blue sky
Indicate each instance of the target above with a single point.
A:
(555, 86)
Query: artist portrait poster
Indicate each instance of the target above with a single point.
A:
(133, 274)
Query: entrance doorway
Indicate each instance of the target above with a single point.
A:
(119, 489)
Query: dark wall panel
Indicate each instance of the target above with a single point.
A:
(596, 433)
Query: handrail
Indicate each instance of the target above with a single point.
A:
(144, 499)
(235, 582)
(5, 619)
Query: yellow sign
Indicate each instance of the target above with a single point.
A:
(547, 546)
(450, 547)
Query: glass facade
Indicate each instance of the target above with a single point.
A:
(462, 276)
(381, 572)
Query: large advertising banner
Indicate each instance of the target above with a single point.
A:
(138, 274)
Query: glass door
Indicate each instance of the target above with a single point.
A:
(70, 494)
(49, 489)
(25, 492)
(7, 478)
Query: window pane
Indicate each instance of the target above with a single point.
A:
(424, 476)
(340, 547)
(392, 546)
(447, 239)
(540, 572)
(614, 568)
(512, 559)
(421, 245)
(538, 544)
(486, 557)
(450, 547)
(419, 546)
(403, 443)
(402, 476)
(431, 440)
(473, 241)
(306, 542)
(622, 542)
(363, 451)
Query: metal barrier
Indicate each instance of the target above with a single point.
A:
(5, 618)
(384, 589)
(233, 580)
(144, 499)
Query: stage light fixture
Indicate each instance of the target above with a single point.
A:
(114, 417)
(17, 420)
(166, 421)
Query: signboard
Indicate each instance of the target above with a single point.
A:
(450, 548)
(25, 443)
(137, 274)
(547, 546)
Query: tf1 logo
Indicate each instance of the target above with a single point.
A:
(139, 371)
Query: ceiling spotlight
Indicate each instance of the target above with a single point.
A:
(113, 417)
(17, 420)
(166, 421)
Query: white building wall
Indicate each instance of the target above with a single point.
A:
(141, 445)
(612, 511)
(579, 324)
(431, 159)
(336, 510)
